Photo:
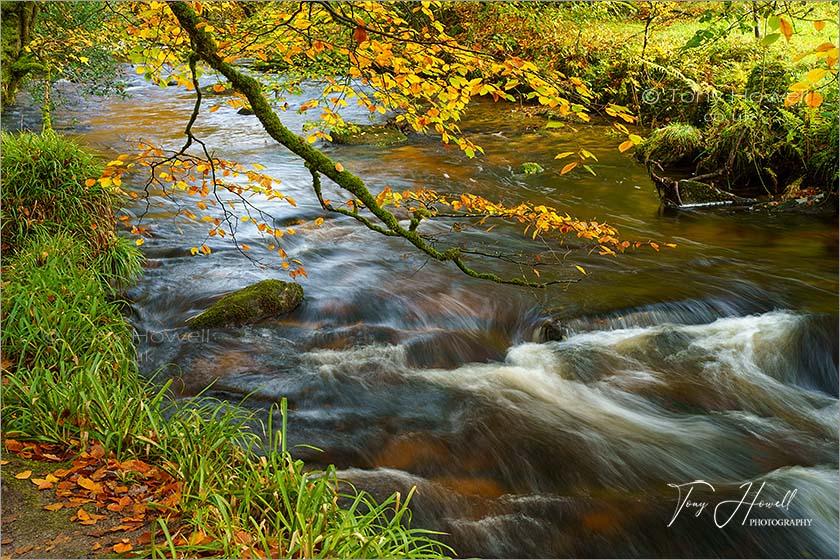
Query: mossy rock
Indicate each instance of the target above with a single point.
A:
(531, 168)
(771, 79)
(263, 300)
(367, 135)
(674, 144)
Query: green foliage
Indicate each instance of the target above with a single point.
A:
(531, 168)
(769, 79)
(65, 338)
(676, 143)
(44, 191)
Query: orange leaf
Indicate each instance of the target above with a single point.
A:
(786, 29)
(813, 99)
(23, 475)
(626, 145)
(54, 507)
(119, 548)
(360, 35)
(819, 25)
(568, 167)
(793, 98)
(90, 182)
(339, 168)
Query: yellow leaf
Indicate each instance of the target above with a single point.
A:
(319, 221)
(205, 249)
(193, 250)
(23, 475)
(84, 59)
(819, 25)
(564, 154)
(786, 28)
(140, 241)
(105, 181)
(339, 168)
(671, 245)
(258, 166)
(626, 145)
(635, 138)
(580, 268)
(813, 99)
(815, 75)
(568, 167)
(214, 108)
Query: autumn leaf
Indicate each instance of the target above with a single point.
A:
(626, 145)
(120, 548)
(580, 268)
(23, 475)
(819, 25)
(568, 167)
(339, 168)
(90, 182)
(359, 34)
(54, 507)
(813, 99)
(786, 29)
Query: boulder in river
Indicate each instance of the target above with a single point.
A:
(263, 300)
(368, 134)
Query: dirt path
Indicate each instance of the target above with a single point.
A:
(30, 531)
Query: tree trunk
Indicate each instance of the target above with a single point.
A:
(18, 21)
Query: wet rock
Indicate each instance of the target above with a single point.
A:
(269, 298)
(551, 330)
(245, 111)
(368, 134)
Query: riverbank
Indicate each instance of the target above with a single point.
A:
(95, 452)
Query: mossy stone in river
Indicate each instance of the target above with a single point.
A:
(368, 134)
(531, 168)
(259, 301)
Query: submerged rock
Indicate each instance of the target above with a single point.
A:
(255, 303)
(368, 134)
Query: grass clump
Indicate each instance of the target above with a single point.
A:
(70, 377)
(672, 144)
(44, 188)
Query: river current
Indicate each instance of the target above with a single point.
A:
(709, 368)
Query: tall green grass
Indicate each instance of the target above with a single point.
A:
(44, 190)
(71, 376)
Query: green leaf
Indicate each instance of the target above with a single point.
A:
(554, 124)
(590, 170)
(770, 39)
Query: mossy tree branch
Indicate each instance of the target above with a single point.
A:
(318, 163)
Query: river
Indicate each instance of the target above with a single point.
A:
(714, 361)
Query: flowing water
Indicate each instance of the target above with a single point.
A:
(715, 361)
